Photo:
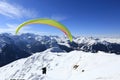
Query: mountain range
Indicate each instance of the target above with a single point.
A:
(14, 47)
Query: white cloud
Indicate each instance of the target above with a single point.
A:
(15, 11)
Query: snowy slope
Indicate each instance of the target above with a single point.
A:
(100, 66)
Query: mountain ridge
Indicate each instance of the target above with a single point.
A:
(14, 47)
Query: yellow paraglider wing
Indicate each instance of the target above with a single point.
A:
(48, 22)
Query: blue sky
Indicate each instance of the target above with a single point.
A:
(82, 17)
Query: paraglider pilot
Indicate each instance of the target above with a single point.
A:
(44, 70)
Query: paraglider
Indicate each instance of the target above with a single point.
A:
(47, 22)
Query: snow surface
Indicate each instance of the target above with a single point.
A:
(100, 66)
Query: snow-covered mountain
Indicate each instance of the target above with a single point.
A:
(99, 44)
(62, 66)
(13, 47)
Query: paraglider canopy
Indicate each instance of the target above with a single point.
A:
(47, 22)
